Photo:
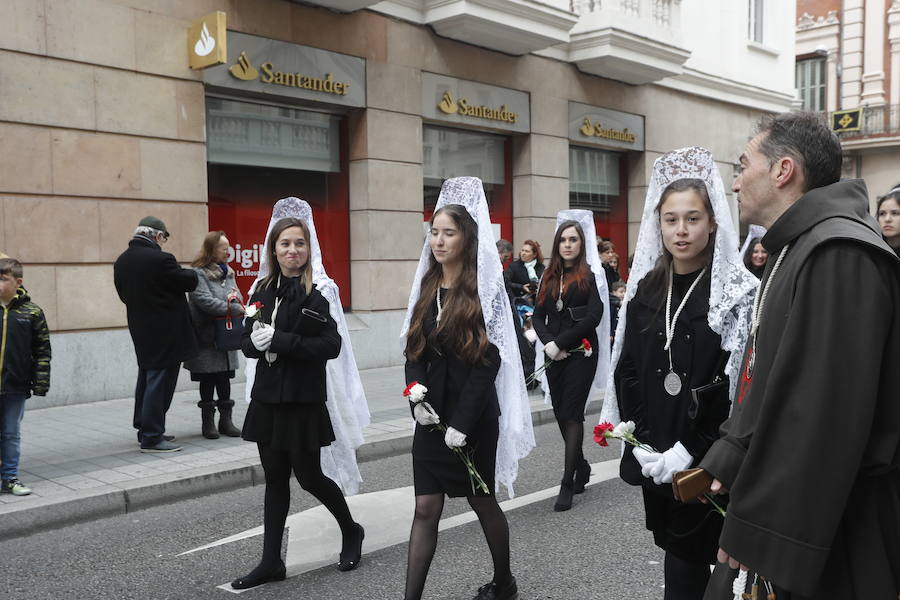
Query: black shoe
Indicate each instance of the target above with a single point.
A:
(564, 501)
(208, 427)
(582, 476)
(351, 556)
(162, 446)
(259, 576)
(492, 591)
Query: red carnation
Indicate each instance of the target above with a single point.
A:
(409, 387)
(599, 430)
(586, 344)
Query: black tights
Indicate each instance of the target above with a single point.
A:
(685, 580)
(218, 383)
(573, 435)
(308, 470)
(423, 539)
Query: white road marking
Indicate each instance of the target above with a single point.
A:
(314, 539)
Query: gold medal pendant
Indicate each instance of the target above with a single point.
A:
(672, 383)
(559, 305)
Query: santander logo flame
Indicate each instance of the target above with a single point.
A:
(205, 44)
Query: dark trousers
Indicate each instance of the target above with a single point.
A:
(152, 398)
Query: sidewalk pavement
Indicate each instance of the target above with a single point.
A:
(83, 462)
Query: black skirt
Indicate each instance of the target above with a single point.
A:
(444, 473)
(570, 385)
(690, 531)
(288, 427)
(210, 376)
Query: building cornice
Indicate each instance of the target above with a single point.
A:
(727, 90)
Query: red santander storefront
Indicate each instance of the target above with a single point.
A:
(277, 127)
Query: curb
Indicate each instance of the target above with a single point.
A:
(78, 507)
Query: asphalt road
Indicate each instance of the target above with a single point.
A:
(598, 550)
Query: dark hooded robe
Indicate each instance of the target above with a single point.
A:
(811, 452)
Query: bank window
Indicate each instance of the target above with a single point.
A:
(756, 18)
(593, 179)
(810, 82)
(450, 153)
(246, 133)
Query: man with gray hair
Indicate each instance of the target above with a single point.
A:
(152, 285)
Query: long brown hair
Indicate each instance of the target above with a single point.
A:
(462, 325)
(579, 277)
(656, 282)
(274, 268)
(205, 256)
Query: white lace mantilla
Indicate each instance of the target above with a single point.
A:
(516, 433)
(347, 405)
(732, 286)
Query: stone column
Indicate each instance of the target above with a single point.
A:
(541, 173)
(852, 53)
(894, 39)
(873, 67)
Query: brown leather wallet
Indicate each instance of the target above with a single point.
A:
(689, 485)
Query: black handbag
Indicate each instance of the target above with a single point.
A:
(709, 403)
(228, 332)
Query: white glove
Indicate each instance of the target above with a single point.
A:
(425, 415)
(530, 335)
(676, 458)
(554, 352)
(646, 459)
(454, 438)
(262, 338)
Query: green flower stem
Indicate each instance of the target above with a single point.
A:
(715, 504)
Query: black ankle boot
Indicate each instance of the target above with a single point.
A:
(564, 500)
(260, 575)
(582, 476)
(209, 423)
(492, 591)
(351, 553)
(226, 427)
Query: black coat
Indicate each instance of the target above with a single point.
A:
(463, 395)
(660, 419)
(690, 531)
(560, 327)
(306, 337)
(152, 285)
(517, 276)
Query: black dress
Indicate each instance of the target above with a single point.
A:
(287, 409)
(689, 531)
(570, 379)
(465, 398)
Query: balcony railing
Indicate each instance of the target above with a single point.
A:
(658, 11)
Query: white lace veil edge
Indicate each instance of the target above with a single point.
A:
(516, 438)
(731, 286)
(346, 398)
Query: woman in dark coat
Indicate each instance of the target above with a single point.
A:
(448, 352)
(215, 296)
(568, 310)
(756, 257)
(888, 214)
(524, 273)
(292, 338)
(673, 351)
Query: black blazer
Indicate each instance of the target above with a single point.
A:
(660, 419)
(581, 314)
(152, 285)
(306, 337)
(463, 395)
(517, 276)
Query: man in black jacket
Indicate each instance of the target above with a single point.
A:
(811, 451)
(152, 285)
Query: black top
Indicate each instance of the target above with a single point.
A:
(516, 276)
(581, 314)
(662, 420)
(306, 337)
(462, 394)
